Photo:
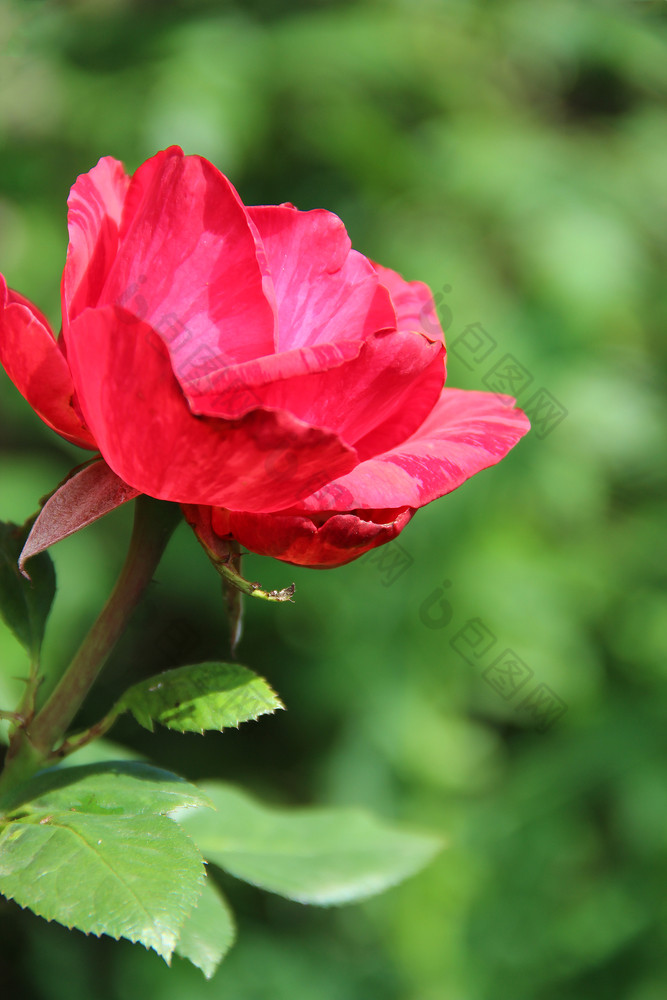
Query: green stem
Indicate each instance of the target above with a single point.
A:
(32, 746)
(79, 740)
(228, 566)
(25, 709)
(11, 716)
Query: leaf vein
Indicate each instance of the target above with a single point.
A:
(131, 891)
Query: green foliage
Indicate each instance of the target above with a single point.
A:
(92, 848)
(25, 604)
(321, 856)
(512, 155)
(136, 877)
(209, 932)
(116, 787)
(199, 697)
(93, 851)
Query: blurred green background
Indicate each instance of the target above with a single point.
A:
(513, 155)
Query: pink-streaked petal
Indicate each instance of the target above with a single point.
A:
(320, 542)
(190, 264)
(95, 208)
(299, 540)
(373, 394)
(231, 391)
(83, 498)
(397, 388)
(413, 302)
(148, 435)
(37, 367)
(467, 431)
(325, 291)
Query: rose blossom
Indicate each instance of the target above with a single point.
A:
(249, 365)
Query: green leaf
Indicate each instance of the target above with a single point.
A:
(199, 697)
(321, 856)
(115, 788)
(136, 877)
(102, 751)
(209, 932)
(24, 604)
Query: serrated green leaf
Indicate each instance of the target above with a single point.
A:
(209, 932)
(322, 856)
(24, 604)
(199, 697)
(136, 877)
(116, 788)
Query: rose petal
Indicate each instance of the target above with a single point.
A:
(232, 390)
(82, 499)
(95, 208)
(413, 302)
(466, 432)
(298, 539)
(37, 367)
(375, 392)
(325, 291)
(393, 387)
(146, 432)
(188, 264)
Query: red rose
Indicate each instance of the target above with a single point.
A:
(248, 364)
